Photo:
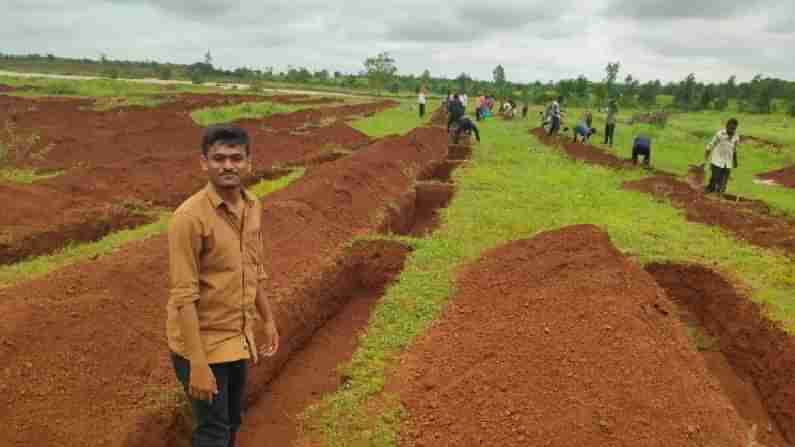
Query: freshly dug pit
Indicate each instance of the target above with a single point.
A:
(560, 340)
(441, 171)
(760, 378)
(311, 370)
(783, 177)
(417, 212)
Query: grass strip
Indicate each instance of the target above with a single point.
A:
(26, 176)
(514, 188)
(395, 120)
(251, 110)
(74, 253)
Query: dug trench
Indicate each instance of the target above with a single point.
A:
(85, 345)
(748, 219)
(589, 351)
(311, 371)
(151, 150)
(752, 357)
(416, 213)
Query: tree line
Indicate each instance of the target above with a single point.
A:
(761, 94)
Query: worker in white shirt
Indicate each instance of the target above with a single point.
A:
(422, 99)
(721, 154)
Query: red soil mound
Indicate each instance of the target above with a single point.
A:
(784, 177)
(85, 347)
(561, 340)
(747, 219)
(757, 349)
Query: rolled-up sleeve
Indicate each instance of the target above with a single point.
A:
(184, 249)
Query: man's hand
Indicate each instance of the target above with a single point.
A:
(271, 339)
(202, 383)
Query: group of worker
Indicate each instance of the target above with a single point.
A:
(721, 151)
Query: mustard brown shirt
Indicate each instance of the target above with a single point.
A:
(216, 263)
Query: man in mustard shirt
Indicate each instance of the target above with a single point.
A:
(217, 286)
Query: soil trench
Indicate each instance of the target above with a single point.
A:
(20, 242)
(311, 372)
(783, 177)
(417, 212)
(750, 220)
(753, 358)
(560, 340)
(441, 171)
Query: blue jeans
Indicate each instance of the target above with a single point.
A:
(216, 424)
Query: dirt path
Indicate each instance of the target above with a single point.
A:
(587, 349)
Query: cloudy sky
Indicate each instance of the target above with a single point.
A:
(532, 39)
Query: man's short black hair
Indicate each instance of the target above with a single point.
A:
(732, 121)
(226, 135)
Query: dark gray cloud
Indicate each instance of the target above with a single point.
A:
(682, 9)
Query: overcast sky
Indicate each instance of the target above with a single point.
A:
(532, 39)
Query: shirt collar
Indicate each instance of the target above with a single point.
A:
(216, 200)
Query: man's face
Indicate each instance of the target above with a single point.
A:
(731, 128)
(226, 165)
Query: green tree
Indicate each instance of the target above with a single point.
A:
(499, 76)
(463, 81)
(380, 70)
(685, 95)
(647, 94)
(426, 77)
(611, 70)
(208, 59)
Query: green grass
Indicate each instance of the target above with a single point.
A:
(395, 120)
(25, 176)
(507, 193)
(228, 114)
(74, 253)
(95, 88)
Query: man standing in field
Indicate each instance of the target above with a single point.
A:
(555, 116)
(721, 154)
(217, 281)
(610, 126)
(422, 99)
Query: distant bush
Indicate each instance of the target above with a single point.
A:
(792, 109)
(60, 88)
